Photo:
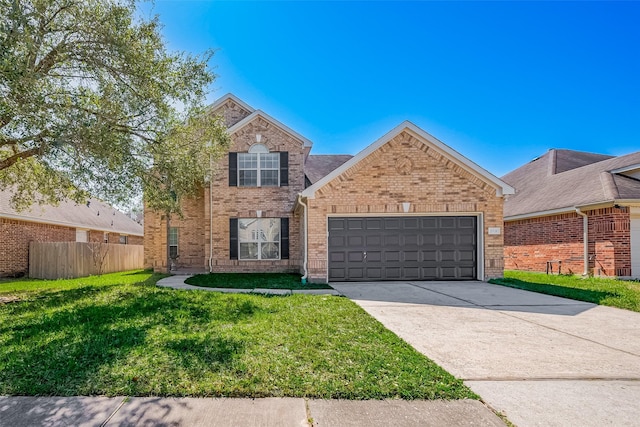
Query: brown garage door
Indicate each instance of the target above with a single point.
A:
(403, 248)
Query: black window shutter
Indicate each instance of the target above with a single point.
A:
(284, 238)
(284, 168)
(233, 169)
(233, 238)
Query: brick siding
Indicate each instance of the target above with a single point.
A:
(232, 202)
(530, 243)
(434, 185)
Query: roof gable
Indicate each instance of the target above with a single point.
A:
(259, 113)
(425, 138)
(230, 97)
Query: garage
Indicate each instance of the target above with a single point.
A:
(403, 248)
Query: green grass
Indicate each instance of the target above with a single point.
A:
(252, 280)
(119, 334)
(615, 293)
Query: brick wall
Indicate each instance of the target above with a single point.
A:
(15, 237)
(405, 170)
(232, 202)
(530, 243)
(231, 112)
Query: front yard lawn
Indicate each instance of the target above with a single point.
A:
(615, 293)
(252, 280)
(119, 334)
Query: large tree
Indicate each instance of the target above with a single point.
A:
(91, 102)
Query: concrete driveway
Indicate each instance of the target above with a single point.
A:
(539, 359)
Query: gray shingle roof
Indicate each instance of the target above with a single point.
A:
(566, 179)
(318, 166)
(97, 216)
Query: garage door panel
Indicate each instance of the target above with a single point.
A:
(374, 273)
(337, 241)
(392, 256)
(355, 224)
(336, 257)
(410, 256)
(402, 248)
(374, 256)
(355, 273)
(355, 241)
(393, 273)
(411, 223)
(391, 240)
(373, 241)
(355, 256)
(468, 255)
(392, 224)
(374, 224)
(337, 224)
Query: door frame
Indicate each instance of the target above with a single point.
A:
(479, 231)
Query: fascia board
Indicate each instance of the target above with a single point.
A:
(568, 209)
(67, 224)
(306, 142)
(626, 168)
(501, 186)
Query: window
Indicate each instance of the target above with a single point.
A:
(259, 238)
(82, 236)
(259, 168)
(173, 242)
(123, 240)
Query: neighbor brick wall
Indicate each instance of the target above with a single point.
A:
(530, 243)
(15, 237)
(232, 202)
(379, 184)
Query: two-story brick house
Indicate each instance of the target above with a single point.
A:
(406, 207)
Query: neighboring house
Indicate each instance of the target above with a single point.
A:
(406, 207)
(561, 192)
(67, 222)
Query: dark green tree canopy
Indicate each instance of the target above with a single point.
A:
(92, 102)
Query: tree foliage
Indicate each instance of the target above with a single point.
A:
(92, 102)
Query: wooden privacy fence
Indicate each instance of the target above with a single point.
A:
(66, 260)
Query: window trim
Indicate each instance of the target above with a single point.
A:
(258, 168)
(176, 244)
(260, 243)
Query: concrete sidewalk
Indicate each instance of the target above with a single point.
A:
(178, 282)
(193, 412)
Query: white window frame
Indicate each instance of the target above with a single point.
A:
(82, 235)
(173, 241)
(260, 152)
(259, 238)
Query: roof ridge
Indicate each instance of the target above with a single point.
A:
(609, 187)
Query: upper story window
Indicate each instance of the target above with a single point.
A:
(259, 168)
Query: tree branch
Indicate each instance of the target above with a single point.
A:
(23, 155)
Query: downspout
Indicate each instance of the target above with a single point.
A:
(306, 240)
(210, 215)
(585, 240)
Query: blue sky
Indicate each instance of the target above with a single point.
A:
(500, 82)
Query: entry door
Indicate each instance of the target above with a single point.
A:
(403, 248)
